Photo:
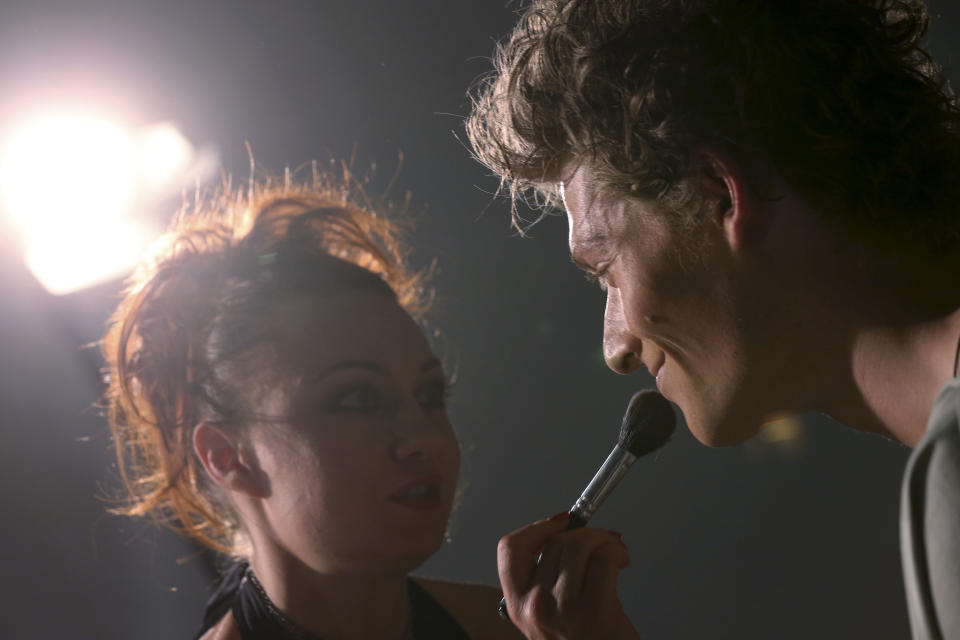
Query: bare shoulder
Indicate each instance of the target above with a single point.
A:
(474, 606)
(226, 629)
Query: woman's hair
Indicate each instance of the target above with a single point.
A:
(837, 96)
(202, 301)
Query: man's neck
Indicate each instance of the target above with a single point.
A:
(902, 350)
(899, 372)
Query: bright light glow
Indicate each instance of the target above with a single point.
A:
(164, 155)
(65, 263)
(72, 182)
(62, 172)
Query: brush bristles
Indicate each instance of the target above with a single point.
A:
(648, 423)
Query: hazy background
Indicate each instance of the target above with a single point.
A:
(785, 539)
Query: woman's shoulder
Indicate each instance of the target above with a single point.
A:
(226, 629)
(474, 606)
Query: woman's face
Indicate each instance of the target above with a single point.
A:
(362, 473)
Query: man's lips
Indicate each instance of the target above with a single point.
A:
(654, 368)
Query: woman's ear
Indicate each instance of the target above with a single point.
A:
(221, 458)
(734, 205)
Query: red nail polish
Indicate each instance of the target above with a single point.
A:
(616, 534)
(560, 517)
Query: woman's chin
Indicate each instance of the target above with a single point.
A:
(407, 550)
(406, 558)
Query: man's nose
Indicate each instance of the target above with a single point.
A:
(621, 349)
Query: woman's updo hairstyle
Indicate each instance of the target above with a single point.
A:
(204, 298)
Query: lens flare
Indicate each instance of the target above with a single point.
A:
(61, 172)
(75, 186)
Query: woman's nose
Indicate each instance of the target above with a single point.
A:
(416, 434)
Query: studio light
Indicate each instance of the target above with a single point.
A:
(60, 172)
(75, 186)
(164, 154)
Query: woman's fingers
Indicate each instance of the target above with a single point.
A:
(590, 564)
(572, 591)
(517, 555)
(600, 582)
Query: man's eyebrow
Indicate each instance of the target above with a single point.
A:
(584, 244)
(582, 264)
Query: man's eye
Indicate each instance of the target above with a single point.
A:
(598, 278)
(360, 399)
(598, 274)
(434, 395)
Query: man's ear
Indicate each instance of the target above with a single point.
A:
(221, 458)
(735, 206)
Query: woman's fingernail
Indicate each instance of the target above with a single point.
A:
(616, 534)
(560, 517)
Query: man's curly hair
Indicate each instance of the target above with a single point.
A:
(835, 96)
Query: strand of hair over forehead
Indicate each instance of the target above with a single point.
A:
(154, 342)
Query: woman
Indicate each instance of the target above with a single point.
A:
(272, 397)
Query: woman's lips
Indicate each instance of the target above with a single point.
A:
(422, 493)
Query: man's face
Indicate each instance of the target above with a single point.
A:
(675, 304)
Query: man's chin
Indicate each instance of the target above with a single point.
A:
(717, 434)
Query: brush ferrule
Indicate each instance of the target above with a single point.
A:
(603, 482)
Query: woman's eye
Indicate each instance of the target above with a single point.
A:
(434, 395)
(360, 399)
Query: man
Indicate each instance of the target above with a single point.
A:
(768, 192)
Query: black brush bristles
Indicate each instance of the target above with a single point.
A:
(648, 423)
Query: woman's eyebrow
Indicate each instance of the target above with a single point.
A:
(430, 363)
(366, 365)
(369, 365)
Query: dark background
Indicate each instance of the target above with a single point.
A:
(793, 539)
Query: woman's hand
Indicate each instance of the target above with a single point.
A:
(572, 593)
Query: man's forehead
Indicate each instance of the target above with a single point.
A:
(588, 235)
(577, 182)
(586, 214)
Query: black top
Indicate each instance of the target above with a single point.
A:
(257, 618)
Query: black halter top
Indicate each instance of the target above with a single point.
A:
(257, 619)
